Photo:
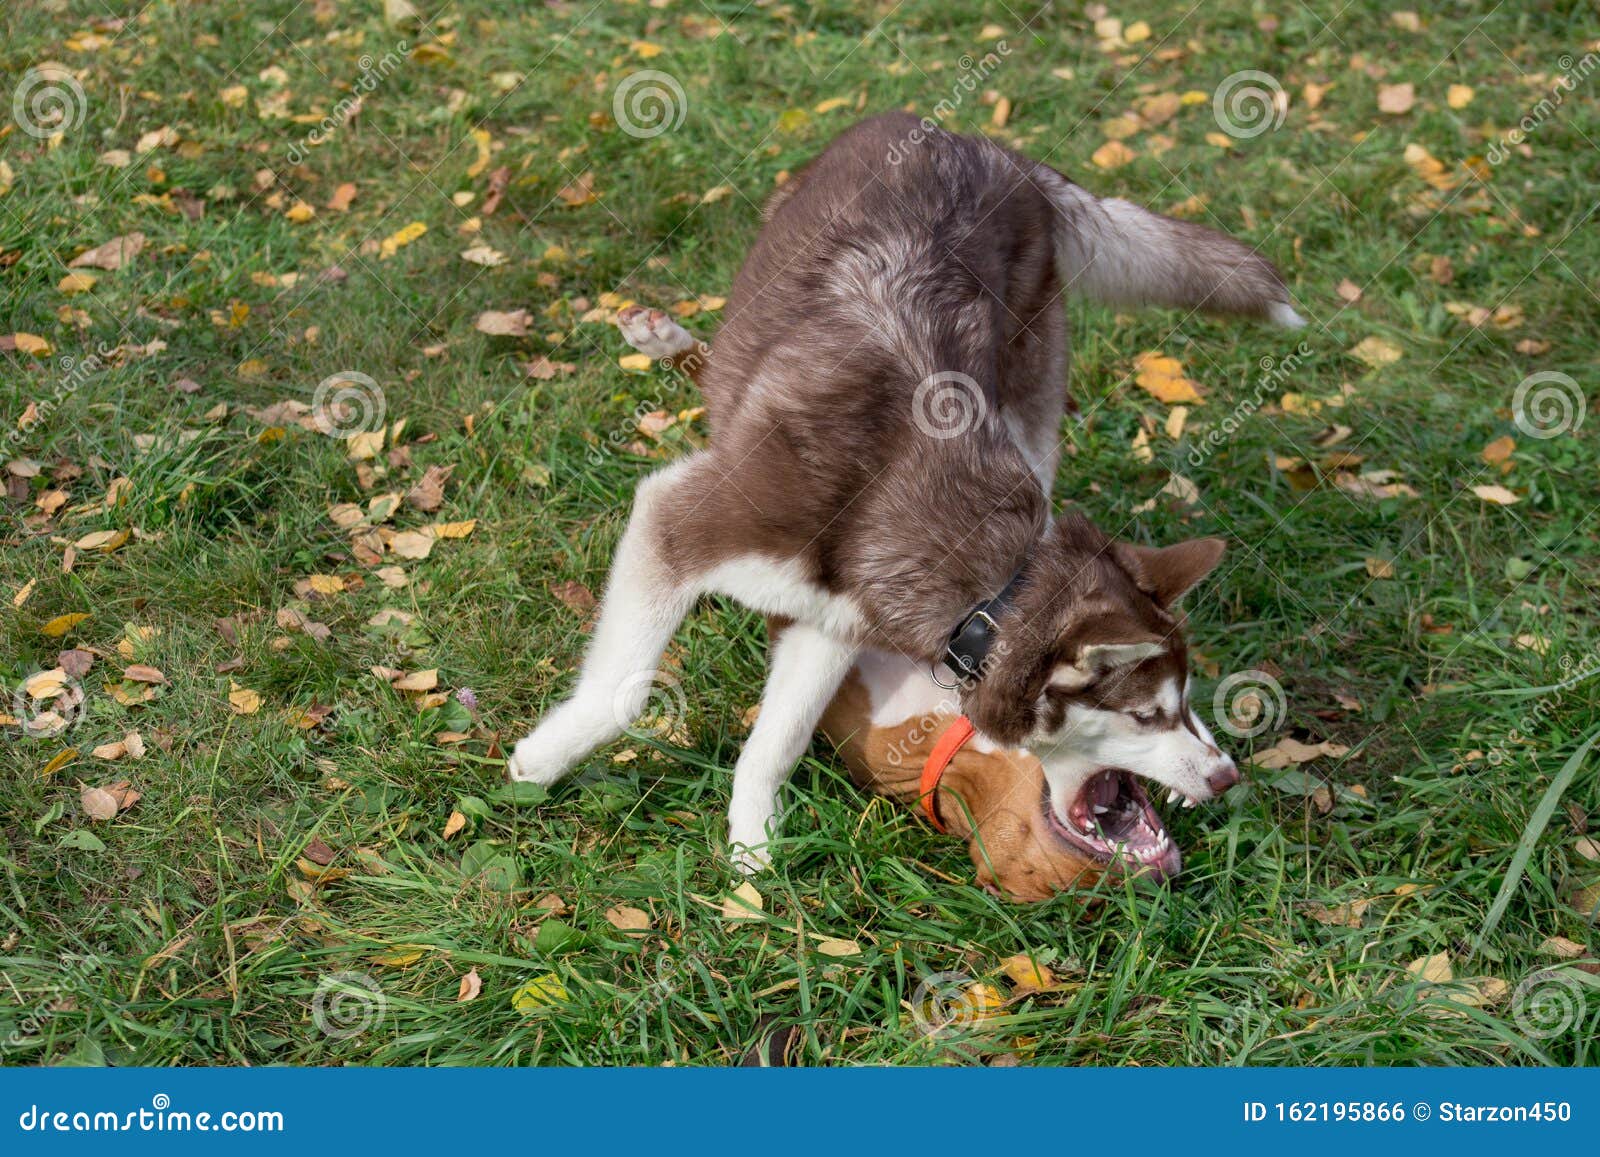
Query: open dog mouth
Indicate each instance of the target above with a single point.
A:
(1112, 820)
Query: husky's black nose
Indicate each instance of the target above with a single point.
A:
(1223, 778)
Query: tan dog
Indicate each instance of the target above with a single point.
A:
(886, 720)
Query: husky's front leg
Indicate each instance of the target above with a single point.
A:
(645, 600)
(805, 670)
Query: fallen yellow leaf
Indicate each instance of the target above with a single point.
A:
(538, 993)
(61, 624)
(244, 700)
(400, 238)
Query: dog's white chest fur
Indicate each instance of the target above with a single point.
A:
(775, 587)
(902, 692)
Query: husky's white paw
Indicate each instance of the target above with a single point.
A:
(749, 860)
(653, 333)
(533, 761)
(747, 836)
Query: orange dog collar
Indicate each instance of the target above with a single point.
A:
(953, 740)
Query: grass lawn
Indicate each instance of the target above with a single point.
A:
(320, 864)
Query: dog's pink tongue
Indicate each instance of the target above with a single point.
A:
(1106, 789)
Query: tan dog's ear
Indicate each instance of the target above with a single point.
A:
(1165, 573)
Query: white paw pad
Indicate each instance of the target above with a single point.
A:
(653, 333)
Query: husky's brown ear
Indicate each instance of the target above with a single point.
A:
(1166, 572)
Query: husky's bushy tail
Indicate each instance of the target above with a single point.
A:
(1116, 252)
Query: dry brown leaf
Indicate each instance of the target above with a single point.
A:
(1346, 915)
(1396, 99)
(1433, 969)
(485, 255)
(743, 903)
(1289, 751)
(578, 192)
(417, 681)
(99, 804)
(1499, 450)
(633, 921)
(454, 824)
(1380, 568)
(543, 369)
(839, 948)
(428, 494)
(412, 544)
(1498, 495)
(574, 595)
(471, 986)
(500, 323)
(111, 255)
(1560, 946)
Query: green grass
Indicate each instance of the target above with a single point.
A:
(209, 943)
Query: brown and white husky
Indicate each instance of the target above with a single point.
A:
(885, 400)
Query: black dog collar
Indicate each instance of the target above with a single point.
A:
(971, 641)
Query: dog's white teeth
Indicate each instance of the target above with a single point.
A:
(1100, 809)
(1189, 801)
(1172, 795)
